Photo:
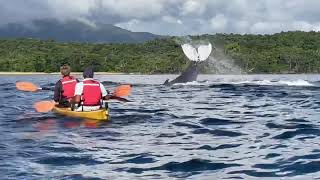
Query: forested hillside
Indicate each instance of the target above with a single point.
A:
(25, 55)
(73, 31)
(289, 52)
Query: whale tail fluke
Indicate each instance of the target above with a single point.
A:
(204, 51)
(200, 54)
(190, 52)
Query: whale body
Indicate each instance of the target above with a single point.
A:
(189, 75)
(195, 55)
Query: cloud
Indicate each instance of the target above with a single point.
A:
(69, 9)
(193, 7)
(219, 23)
(271, 27)
(173, 17)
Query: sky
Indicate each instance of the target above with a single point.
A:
(173, 17)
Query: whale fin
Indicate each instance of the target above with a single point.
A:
(166, 82)
(190, 52)
(204, 51)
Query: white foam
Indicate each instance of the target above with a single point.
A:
(193, 83)
(299, 82)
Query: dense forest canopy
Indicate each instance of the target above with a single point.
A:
(286, 52)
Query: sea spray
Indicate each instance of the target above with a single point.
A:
(217, 63)
(221, 64)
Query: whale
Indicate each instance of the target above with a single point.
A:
(196, 56)
(188, 75)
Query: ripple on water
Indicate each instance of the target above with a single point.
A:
(218, 121)
(63, 149)
(136, 159)
(289, 126)
(223, 146)
(188, 125)
(298, 132)
(301, 168)
(131, 119)
(77, 177)
(272, 155)
(219, 131)
(255, 173)
(296, 165)
(190, 167)
(68, 160)
(210, 148)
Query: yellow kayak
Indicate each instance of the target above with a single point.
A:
(102, 114)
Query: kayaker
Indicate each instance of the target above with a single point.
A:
(65, 87)
(89, 93)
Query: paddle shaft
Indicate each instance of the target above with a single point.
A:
(120, 99)
(46, 88)
(109, 96)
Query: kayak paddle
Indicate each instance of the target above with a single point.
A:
(44, 106)
(29, 86)
(122, 90)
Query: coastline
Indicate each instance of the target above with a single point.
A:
(114, 73)
(57, 73)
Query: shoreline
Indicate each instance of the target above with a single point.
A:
(57, 73)
(114, 73)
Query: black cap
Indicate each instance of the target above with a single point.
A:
(88, 72)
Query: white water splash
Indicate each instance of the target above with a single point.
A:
(224, 66)
(193, 83)
(299, 82)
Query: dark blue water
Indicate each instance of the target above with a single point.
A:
(222, 127)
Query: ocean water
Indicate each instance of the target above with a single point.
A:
(220, 127)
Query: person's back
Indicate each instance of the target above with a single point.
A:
(68, 86)
(89, 93)
(65, 87)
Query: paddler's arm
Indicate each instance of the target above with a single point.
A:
(77, 94)
(57, 91)
(104, 93)
(76, 99)
(107, 97)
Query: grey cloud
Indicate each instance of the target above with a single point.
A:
(174, 17)
(22, 11)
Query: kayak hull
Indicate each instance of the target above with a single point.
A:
(102, 114)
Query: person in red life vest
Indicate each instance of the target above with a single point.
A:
(89, 93)
(65, 87)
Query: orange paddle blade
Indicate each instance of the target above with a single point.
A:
(122, 90)
(26, 86)
(44, 106)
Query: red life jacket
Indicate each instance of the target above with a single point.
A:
(91, 94)
(68, 86)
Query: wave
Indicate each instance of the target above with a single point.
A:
(265, 82)
(184, 169)
(218, 82)
(193, 83)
